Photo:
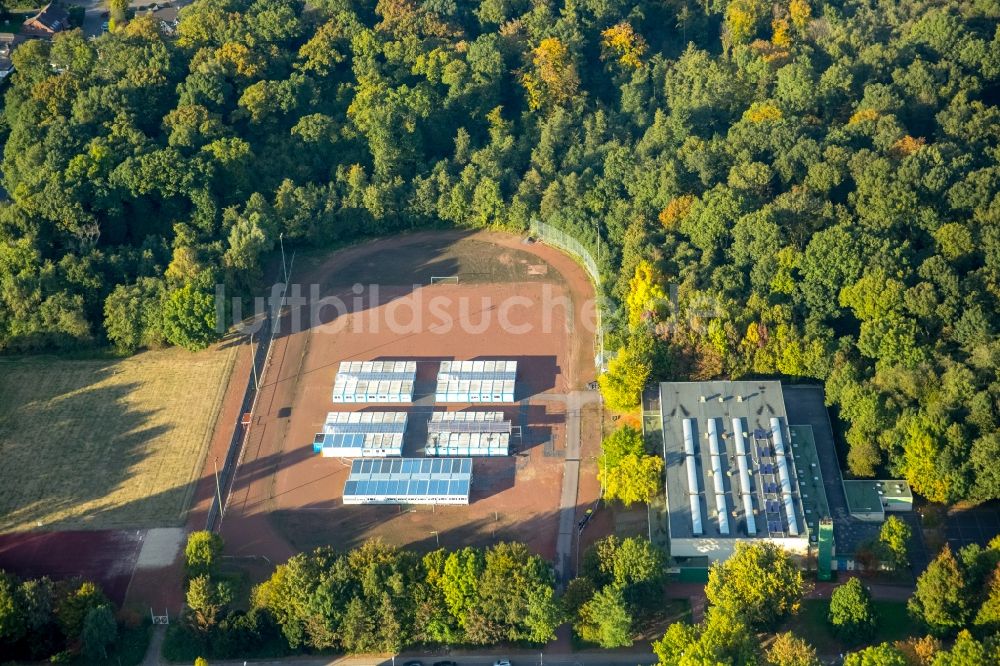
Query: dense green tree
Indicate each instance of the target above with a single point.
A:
(759, 584)
(619, 587)
(622, 442)
(37, 598)
(202, 552)
(207, 601)
(132, 315)
(894, 537)
(73, 607)
(12, 621)
(966, 651)
(941, 600)
(851, 612)
(99, 631)
(719, 639)
(189, 318)
(878, 655)
(605, 619)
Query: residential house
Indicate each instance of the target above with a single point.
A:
(8, 42)
(51, 19)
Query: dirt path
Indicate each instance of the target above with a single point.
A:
(153, 657)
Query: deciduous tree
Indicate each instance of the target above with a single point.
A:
(759, 583)
(941, 600)
(851, 612)
(189, 318)
(894, 537)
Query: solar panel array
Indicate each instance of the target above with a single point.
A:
(375, 381)
(409, 481)
(361, 434)
(476, 381)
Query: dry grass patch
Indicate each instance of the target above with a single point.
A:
(106, 443)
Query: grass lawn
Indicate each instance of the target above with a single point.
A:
(810, 624)
(106, 443)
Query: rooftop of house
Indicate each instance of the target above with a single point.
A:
(53, 16)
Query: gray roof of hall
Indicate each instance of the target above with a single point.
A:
(756, 402)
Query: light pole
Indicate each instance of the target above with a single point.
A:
(281, 241)
(253, 360)
(218, 486)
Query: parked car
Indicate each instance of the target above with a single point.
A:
(501, 662)
(445, 663)
(414, 663)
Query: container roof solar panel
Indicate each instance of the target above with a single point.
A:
(468, 434)
(447, 422)
(476, 381)
(409, 481)
(361, 434)
(478, 370)
(375, 381)
(365, 422)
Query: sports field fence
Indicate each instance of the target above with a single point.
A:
(564, 241)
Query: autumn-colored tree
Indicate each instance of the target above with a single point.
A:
(743, 17)
(554, 78)
(790, 650)
(800, 13)
(645, 296)
(907, 146)
(919, 651)
(780, 33)
(676, 211)
(762, 112)
(623, 42)
(633, 479)
(627, 374)
(863, 116)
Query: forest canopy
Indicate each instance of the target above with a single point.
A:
(823, 173)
